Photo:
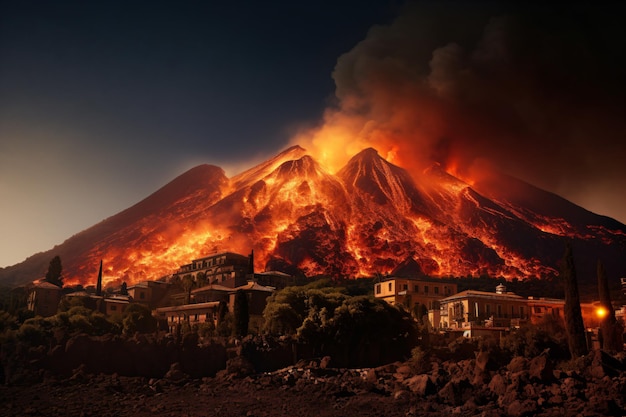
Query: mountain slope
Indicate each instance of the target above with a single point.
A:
(369, 218)
(131, 229)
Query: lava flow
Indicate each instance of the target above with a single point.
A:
(365, 219)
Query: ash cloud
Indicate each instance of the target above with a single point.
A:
(535, 91)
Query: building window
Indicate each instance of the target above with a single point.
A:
(436, 290)
(521, 311)
(417, 288)
(405, 287)
(113, 308)
(142, 295)
(390, 286)
(488, 310)
(446, 290)
(377, 288)
(499, 310)
(425, 289)
(537, 310)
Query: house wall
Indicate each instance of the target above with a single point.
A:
(198, 315)
(44, 302)
(410, 292)
(227, 269)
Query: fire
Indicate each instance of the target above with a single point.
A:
(366, 219)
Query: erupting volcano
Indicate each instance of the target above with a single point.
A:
(365, 219)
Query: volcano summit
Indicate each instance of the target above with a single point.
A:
(367, 218)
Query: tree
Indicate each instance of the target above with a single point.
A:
(138, 318)
(242, 314)
(201, 279)
(55, 271)
(573, 317)
(610, 330)
(188, 284)
(124, 288)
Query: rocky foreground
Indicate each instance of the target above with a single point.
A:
(525, 387)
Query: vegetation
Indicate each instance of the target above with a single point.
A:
(55, 272)
(242, 315)
(335, 323)
(531, 340)
(610, 330)
(573, 315)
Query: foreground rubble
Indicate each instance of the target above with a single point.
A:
(596, 385)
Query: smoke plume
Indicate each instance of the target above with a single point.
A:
(534, 91)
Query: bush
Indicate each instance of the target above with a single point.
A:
(7, 321)
(32, 335)
(281, 319)
(138, 319)
(531, 340)
(225, 326)
(419, 362)
(80, 324)
(205, 330)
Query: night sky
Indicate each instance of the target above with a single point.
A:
(103, 102)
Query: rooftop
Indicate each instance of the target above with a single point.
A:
(483, 294)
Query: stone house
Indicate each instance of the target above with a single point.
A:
(473, 308)
(44, 298)
(412, 291)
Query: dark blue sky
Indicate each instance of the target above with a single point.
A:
(103, 102)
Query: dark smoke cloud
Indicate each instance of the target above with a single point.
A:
(537, 92)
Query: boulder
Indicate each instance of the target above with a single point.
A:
(456, 392)
(325, 362)
(517, 364)
(422, 385)
(175, 373)
(522, 408)
(541, 369)
(498, 384)
(239, 367)
(604, 364)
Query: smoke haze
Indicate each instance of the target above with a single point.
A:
(537, 92)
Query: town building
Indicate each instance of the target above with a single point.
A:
(190, 314)
(44, 298)
(480, 312)
(151, 293)
(541, 307)
(225, 268)
(411, 292)
(205, 304)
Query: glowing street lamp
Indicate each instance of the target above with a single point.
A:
(601, 312)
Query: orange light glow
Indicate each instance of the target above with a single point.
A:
(601, 312)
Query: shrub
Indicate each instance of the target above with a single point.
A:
(281, 319)
(80, 324)
(531, 340)
(138, 318)
(7, 321)
(32, 335)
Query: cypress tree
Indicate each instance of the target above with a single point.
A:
(573, 317)
(242, 315)
(99, 281)
(611, 332)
